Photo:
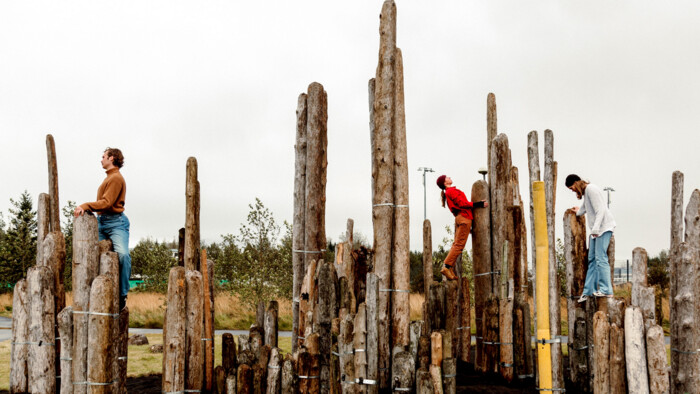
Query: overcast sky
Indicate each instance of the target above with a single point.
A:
(617, 82)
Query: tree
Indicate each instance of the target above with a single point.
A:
(253, 263)
(152, 261)
(658, 276)
(19, 242)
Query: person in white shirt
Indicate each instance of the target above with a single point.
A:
(601, 224)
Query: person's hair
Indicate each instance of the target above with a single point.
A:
(571, 179)
(443, 198)
(116, 155)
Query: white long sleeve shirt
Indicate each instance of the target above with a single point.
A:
(596, 209)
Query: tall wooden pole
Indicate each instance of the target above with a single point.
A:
(53, 184)
(635, 354)
(550, 179)
(383, 198)
(20, 336)
(481, 255)
(85, 269)
(299, 211)
(208, 325)
(427, 264)
(543, 328)
(194, 303)
(100, 331)
(533, 162)
(192, 216)
(576, 264)
(42, 378)
(174, 338)
(372, 303)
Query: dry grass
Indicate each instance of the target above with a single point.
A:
(6, 305)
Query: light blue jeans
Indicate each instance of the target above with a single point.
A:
(598, 275)
(115, 226)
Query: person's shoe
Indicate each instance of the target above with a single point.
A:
(122, 302)
(583, 298)
(598, 294)
(449, 274)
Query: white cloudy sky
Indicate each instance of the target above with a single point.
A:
(617, 82)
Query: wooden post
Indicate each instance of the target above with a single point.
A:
(601, 340)
(576, 267)
(244, 380)
(65, 332)
(360, 344)
(192, 216)
(481, 255)
(611, 261)
(384, 112)
(436, 378)
(424, 347)
(308, 373)
(326, 310)
(452, 320)
(109, 267)
(123, 349)
(656, 361)
(20, 336)
(271, 326)
(42, 378)
(316, 163)
(416, 330)
(228, 353)
(194, 330)
(274, 372)
(208, 317)
(449, 369)
(490, 321)
(635, 354)
(618, 384)
(288, 377)
(55, 211)
(100, 331)
(372, 303)
(231, 383)
(446, 344)
(550, 179)
(43, 225)
(401, 265)
(174, 335)
(533, 161)
(427, 267)
(687, 375)
(639, 273)
(424, 385)
(437, 306)
(403, 370)
(85, 269)
(345, 349)
(181, 247)
(464, 330)
(676, 239)
(436, 348)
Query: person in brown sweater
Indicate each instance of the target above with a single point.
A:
(112, 223)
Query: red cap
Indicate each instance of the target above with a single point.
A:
(441, 181)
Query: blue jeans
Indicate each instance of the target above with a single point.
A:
(598, 275)
(115, 226)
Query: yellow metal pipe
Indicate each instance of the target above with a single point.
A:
(544, 351)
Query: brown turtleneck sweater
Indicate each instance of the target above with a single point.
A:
(110, 195)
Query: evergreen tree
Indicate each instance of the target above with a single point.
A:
(152, 261)
(18, 250)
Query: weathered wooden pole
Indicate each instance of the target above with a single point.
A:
(174, 335)
(274, 374)
(635, 354)
(360, 345)
(345, 349)
(308, 371)
(464, 331)
(326, 310)
(42, 377)
(192, 216)
(618, 381)
(403, 371)
(656, 361)
(55, 211)
(65, 332)
(228, 353)
(639, 274)
(427, 258)
(481, 256)
(208, 317)
(271, 327)
(20, 336)
(85, 269)
(123, 349)
(54, 256)
(109, 267)
(533, 162)
(372, 344)
(676, 239)
(452, 306)
(449, 370)
(491, 334)
(601, 340)
(194, 330)
(550, 179)
(244, 379)
(100, 332)
(43, 225)
(181, 247)
(491, 128)
(576, 264)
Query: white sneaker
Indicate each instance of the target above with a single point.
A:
(583, 298)
(598, 294)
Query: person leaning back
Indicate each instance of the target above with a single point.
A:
(112, 223)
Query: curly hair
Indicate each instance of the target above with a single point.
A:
(116, 154)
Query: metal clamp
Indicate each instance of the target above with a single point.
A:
(560, 390)
(580, 348)
(452, 375)
(308, 251)
(40, 343)
(273, 367)
(464, 328)
(122, 358)
(207, 339)
(546, 341)
(506, 365)
(402, 389)
(684, 352)
(307, 377)
(532, 375)
(399, 291)
(488, 273)
(368, 382)
(113, 315)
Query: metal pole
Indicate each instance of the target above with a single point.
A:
(425, 169)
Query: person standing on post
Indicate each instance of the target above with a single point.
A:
(461, 208)
(602, 224)
(112, 223)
